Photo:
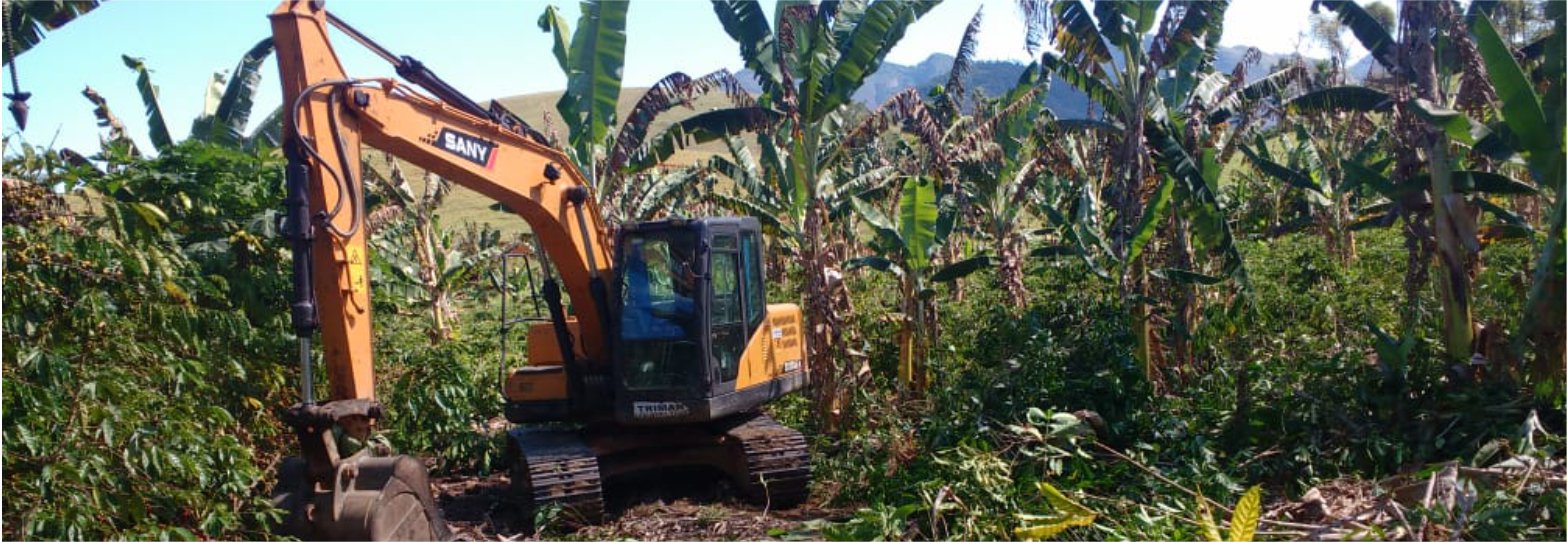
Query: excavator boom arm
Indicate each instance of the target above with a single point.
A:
(328, 116)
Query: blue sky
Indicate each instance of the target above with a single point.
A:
(487, 48)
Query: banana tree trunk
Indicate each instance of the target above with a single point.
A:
(822, 325)
(1185, 298)
(1341, 209)
(1546, 317)
(1128, 205)
(930, 332)
(1450, 212)
(906, 334)
(916, 334)
(429, 278)
(440, 308)
(1010, 270)
(1142, 329)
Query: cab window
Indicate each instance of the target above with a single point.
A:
(755, 294)
(727, 315)
(658, 317)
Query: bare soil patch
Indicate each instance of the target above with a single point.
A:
(676, 506)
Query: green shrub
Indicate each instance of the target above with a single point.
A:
(1290, 389)
(440, 399)
(137, 405)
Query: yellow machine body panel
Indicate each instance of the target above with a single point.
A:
(544, 377)
(541, 383)
(776, 350)
(543, 349)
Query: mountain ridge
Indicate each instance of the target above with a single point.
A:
(996, 77)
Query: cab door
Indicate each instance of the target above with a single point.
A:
(725, 310)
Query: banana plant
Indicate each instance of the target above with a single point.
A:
(441, 268)
(809, 59)
(906, 248)
(619, 160)
(228, 104)
(997, 162)
(867, 175)
(1150, 76)
(593, 60)
(1320, 185)
(1170, 120)
(1536, 124)
(982, 151)
(413, 250)
(1435, 104)
(229, 100)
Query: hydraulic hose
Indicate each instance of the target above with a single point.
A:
(348, 186)
(345, 195)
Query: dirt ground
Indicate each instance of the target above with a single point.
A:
(690, 508)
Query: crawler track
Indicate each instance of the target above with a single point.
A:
(777, 464)
(556, 467)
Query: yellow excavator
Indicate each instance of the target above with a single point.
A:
(659, 353)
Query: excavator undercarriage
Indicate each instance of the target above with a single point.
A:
(766, 462)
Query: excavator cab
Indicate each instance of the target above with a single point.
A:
(691, 300)
(696, 350)
(694, 337)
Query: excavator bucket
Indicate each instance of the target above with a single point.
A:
(370, 498)
(369, 495)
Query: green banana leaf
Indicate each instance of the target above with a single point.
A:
(1153, 215)
(1273, 169)
(1521, 107)
(226, 123)
(699, 129)
(881, 28)
(917, 217)
(157, 130)
(26, 29)
(1372, 35)
(962, 268)
(553, 22)
(597, 59)
(1345, 98)
(745, 22)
